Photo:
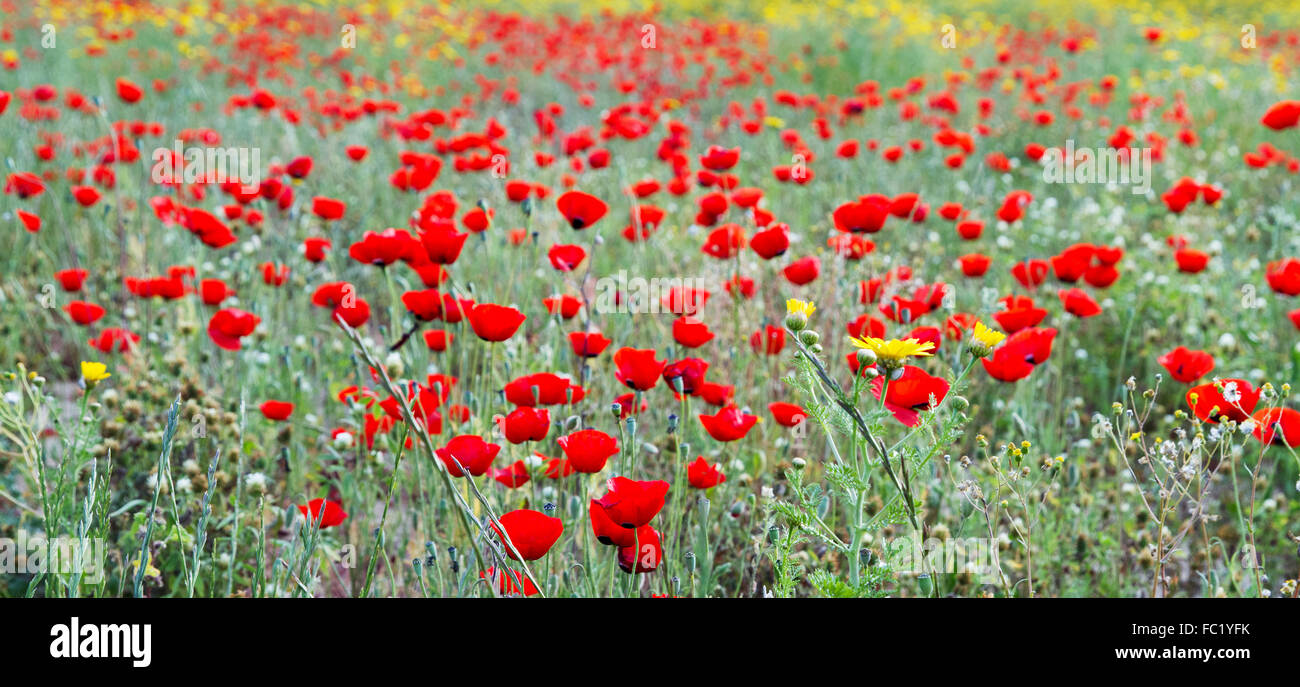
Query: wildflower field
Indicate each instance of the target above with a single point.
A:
(711, 299)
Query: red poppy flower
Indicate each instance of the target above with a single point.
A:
(1187, 365)
(83, 313)
(474, 454)
(588, 344)
(495, 322)
(728, 424)
(512, 476)
(1191, 261)
(579, 209)
(1030, 273)
(974, 264)
(383, 248)
(1284, 276)
(1236, 401)
(631, 503)
(128, 91)
(770, 340)
(526, 424)
(230, 325)
(71, 279)
(25, 184)
(443, 246)
(637, 368)
(565, 306)
(686, 375)
(314, 248)
(1079, 303)
(114, 339)
(328, 208)
(1018, 355)
(909, 393)
(333, 516)
(1277, 426)
(531, 533)
(724, 242)
(787, 414)
(588, 450)
(719, 159)
(867, 214)
(1019, 313)
(644, 554)
(771, 242)
(276, 410)
(701, 475)
(543, 388)
(86, 196)
(32, 223)
(691, 332)
(424, 305)
(1282, 115)
(803, 270)
(505, 581)
(438, 339)
(566, 258)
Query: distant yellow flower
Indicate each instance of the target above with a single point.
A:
(983, 340)
(94, 373)
(893, 352)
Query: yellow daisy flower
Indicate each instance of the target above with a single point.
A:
(983, 340)
(795, 305)
(893, 352)
(94, 373)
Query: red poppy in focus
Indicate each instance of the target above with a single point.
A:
(631, 503)
(383, 248)
(474, 454)
(543, 388)
(276, 410)
(1236, 401)
(1277, 426)
(588, 450)
(728, 424)
(701, 475)
(526, 424)
(531, 533)
(691, 332)
(637, 368)
(911, 392)
(787, 414)
(1019, 354)
(588, 344)
(333, 515)
(495, 323)
(644, 554)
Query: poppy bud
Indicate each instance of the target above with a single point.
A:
(690, 561)
(616, 409)
(809, 337)
(702, 504)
